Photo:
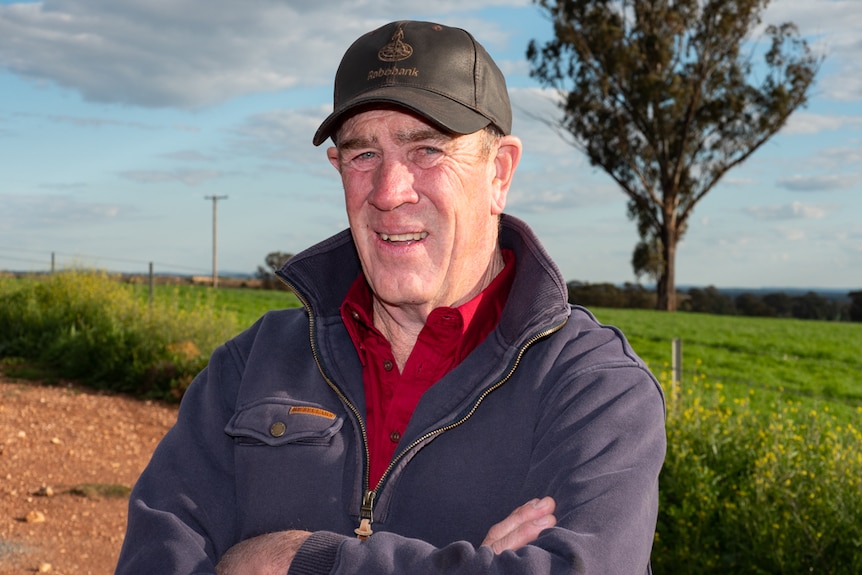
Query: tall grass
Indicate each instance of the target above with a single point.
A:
(87, 326)
(747, 491)
(247, 305)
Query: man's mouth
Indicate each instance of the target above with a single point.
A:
(414, 237)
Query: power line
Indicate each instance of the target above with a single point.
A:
(29, 261)
(49, 254)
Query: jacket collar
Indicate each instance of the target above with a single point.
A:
(322, 274)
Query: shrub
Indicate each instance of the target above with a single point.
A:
(90, 327)
(750, 492)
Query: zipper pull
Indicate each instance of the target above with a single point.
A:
(366, 516)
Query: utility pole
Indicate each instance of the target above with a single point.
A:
(215, 200)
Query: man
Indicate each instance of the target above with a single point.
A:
(437, 406)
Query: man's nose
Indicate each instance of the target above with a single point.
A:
(393, 186)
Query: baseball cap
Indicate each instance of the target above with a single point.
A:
(441, 73)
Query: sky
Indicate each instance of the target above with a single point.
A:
(121, 119)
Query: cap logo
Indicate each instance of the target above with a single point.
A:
(397, 49)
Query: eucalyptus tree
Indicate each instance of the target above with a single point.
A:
(666, 97)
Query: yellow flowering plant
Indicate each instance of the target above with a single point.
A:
(751, 491)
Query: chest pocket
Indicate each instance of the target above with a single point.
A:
(275, 422)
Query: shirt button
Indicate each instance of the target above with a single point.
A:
(387, 365)
(394, 437)
(355, 315)
(277, 429)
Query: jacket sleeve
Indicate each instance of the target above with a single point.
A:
(599, 447)
(179, 512)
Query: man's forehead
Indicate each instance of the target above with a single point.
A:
(366, 128)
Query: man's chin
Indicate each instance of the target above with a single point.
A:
(413, 292)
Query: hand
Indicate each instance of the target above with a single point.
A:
(522, 526)
(268, 554)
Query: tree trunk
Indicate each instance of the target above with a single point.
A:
(666, 288)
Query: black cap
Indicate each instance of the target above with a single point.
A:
(438, 72)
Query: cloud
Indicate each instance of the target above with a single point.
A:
(194, 53)
(186, 128)
(91, 122)
(541, 201)
(792, 211)
(60, 186)
(734, 180)
(185, 53)
(819, 183)
(52, 211)
(833, 29)
(283, 137)
(188, 156)
(102, 122)
(807, 123)
(792, 235)
(535, 120)
(188, 177)
(836, 158)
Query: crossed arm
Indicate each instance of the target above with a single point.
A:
(272, 553)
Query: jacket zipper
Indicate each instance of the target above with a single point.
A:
(366, 512)
(368, 497)
(367, 515)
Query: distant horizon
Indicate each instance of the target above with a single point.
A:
(649, 286)
(114, 144)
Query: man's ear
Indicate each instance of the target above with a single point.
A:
(332, 154)
(505, 162)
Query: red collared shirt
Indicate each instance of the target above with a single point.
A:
(449, 335)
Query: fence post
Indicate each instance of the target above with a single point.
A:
(676, 365)
(52, 263)
(152, 288)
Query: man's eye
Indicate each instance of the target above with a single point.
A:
(426, 156)
(362, 157)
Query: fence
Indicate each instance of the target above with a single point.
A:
(41, 261)
(848, 393)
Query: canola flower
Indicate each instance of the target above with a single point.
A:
(744, 491)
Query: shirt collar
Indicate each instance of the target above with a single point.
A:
(478, 316)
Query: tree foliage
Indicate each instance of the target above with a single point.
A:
(856, 306)
(632, 296)
(666, 97)
(266, 275)
(711, 300)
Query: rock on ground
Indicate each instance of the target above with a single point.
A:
(68, 456)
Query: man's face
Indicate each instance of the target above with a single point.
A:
(423, 205)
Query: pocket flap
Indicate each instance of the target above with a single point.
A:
(275, 421)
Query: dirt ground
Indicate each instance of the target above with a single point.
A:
(67, 458)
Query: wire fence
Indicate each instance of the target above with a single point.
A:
(850, 392)
(846, 388)
(42, 261)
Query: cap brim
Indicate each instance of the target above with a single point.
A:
(446, 113)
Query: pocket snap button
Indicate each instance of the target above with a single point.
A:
(277, 429)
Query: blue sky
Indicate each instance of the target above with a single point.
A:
(118, 117)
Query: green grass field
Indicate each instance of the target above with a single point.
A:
(810, 361)
(247, 305)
